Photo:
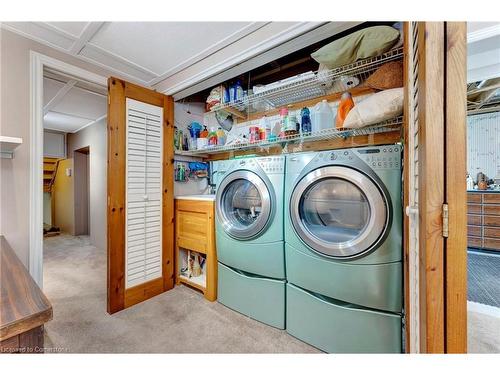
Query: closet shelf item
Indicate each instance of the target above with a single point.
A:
(308, 86)
(8, 145)
(322, 135)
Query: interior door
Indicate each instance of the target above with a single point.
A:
(435, 199)
(140, 194)
(338, 211)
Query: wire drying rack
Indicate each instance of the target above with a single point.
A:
(322, 135)
(310, 86)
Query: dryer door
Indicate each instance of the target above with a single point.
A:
(338, 211)
(244, 204)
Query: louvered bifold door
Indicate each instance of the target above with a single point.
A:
(144, 177)
(140, 194)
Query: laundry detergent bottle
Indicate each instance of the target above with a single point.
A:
(322, 117)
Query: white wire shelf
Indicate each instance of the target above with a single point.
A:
(326, 134)
(309, 86)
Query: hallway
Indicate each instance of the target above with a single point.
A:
(180, 321)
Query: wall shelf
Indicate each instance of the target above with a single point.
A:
(8, 145)
(323, 135)
(307, 86)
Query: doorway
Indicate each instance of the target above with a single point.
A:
(483, 190)
(81, 162)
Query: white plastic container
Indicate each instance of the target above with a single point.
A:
(322, 117)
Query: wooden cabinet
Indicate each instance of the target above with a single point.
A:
(195, 232)
(483, 220)
(24, 309)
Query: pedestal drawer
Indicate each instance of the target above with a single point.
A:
(491, 243)
(474, 231)
(491, 221)
(474, 198)
(338, 327)
(260, 298)
(474, 220)
(491, 198)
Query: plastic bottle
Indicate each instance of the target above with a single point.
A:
(322, 117)
(212, 137)
(305, 115)
(221, 137)
(236, 92)
(204, 132)
(470, 182)
(283, 121)
(182, 172)
(266, 125)
(345, 105)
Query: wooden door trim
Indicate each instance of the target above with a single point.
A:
(431, 180)
(118, 296)
(456, 195)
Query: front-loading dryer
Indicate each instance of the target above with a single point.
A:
(343, 248)
(250, 239)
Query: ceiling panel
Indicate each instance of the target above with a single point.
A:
(50, 89)
(42, 33)
(149, 52)
(483, 51)
(104, 58)
(160, 46)
(81, 103)
(62, 122)
(73, 28)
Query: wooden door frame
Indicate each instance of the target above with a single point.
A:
(456, 190)
(118, 296)
(442, 166)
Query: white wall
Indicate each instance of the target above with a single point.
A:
(95, 137)
(54, 144)
(15, 122)
(483, 144)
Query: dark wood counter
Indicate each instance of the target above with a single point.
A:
(24, 309)
(483, 219)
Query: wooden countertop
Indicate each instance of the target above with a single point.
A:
(23, 306)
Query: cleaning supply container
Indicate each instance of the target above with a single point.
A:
(322, 117)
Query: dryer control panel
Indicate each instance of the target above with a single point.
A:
(382, 157)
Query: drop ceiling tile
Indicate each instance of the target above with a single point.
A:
(73, 28)
(160, 46)
(38, 31)
(63, 122)
(50, 89)
(81, 103)
(104, 58)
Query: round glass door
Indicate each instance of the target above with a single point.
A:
(243, 204)
(338, 212)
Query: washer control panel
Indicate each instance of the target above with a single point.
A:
(382, 157)
(271, 164)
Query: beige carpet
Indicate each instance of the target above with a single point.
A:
(179, 321)
(483, 328)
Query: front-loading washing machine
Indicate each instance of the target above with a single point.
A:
(250, 239)
(343, 249)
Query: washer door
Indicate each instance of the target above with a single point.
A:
(338, 211)
(244, 204)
